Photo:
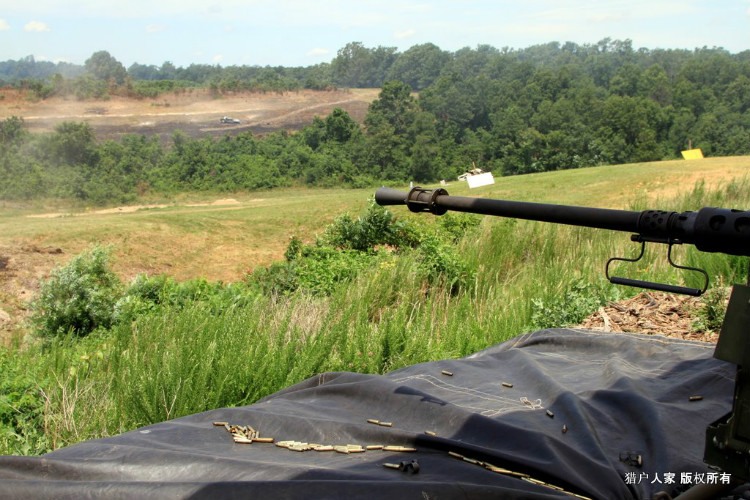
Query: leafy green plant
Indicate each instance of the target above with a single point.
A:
(377, 226)
(441, 263)
(578, 301)
(710, 314)
(21, 410)
(457, 225)
(79, 297)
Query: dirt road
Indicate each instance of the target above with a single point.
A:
(196, 112)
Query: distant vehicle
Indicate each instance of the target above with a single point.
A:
(226, 119)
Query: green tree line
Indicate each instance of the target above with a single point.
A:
(606, 62)
(543, 108)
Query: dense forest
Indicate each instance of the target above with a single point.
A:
(546, 107)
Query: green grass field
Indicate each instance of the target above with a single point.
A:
(224, 241)
(175, 361)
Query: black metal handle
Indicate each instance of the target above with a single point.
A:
(653, 285)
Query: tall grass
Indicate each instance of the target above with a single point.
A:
(184, 360)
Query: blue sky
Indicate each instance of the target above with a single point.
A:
(303, 33)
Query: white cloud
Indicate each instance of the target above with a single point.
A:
(4, 26)
(155, 28)
(404, 34)
(36, 26)
(317, 52)
(218, 58)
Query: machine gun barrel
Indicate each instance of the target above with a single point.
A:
(709, 229)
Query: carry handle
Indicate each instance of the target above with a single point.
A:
(652, 285)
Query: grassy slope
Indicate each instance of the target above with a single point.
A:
(184, 361)
(222, 242)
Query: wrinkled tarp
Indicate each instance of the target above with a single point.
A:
(614, 393)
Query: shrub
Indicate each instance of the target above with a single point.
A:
(441, 263)
(580, 300)
(456, 225)
(147, 294)
(377, 226)
(79, 297)
(313, 268)
(710, 315)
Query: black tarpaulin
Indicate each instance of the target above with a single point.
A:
(619, 397)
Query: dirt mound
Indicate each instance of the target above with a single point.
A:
(652, 313)
(197, 113)
(216, 203)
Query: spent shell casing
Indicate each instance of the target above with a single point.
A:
(341, 449)
(431, 433)
(695, 398)
(242, 440)
(398, 448)
(221, 424)
(446, 372)
(507, 384)
(550, 414)
(374, 447)
(456, 455)
(373, 421)
(564, 428)
(501, 470)
(263, 440)
(385, 424)
(323, 447)
(534, 481)
(392, 466)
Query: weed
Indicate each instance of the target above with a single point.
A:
(22, 429)
(710, 314)
(578, 301)
(79, 297)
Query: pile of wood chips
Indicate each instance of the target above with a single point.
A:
(651, 313)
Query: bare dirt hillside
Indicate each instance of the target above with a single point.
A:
(196, 112)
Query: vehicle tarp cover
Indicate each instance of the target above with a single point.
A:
(601, 415)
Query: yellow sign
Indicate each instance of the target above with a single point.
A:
(692, 154)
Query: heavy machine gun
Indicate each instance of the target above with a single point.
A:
(709, 229)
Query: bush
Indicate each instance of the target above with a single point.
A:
(346, 247)
(377, 226)
(315, 269)
(79, 297)
(149, 294)
(580, 300)
(710, 314)
(441, 263)
(456, 225)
